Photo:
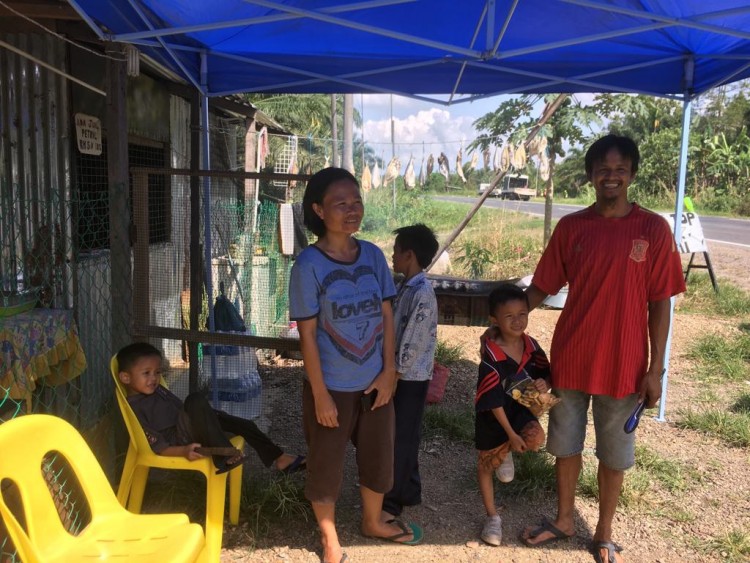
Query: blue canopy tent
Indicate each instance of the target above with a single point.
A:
(440, 50)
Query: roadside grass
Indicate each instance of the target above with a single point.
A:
(453, 423)
(700, 298)
(742, 404)
(534, 475)
(720, 358)
(732, 546)
(733, 428)
(497, 243)
(447, 353)
(381, 218)
(506, 254)
(651, 469)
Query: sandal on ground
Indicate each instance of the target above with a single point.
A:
(299, 464)
(545, 526)
(344, 559)
(232, 462)
(612, 549)
(406, 530)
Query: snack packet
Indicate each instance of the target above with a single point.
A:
(521, 388)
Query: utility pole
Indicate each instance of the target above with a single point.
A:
(348, 160)
(334, 133)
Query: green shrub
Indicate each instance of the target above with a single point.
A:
(447, 354)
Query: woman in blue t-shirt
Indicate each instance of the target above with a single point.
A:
(340, 294)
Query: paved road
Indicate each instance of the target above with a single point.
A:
(716, 229)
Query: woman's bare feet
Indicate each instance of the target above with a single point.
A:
(332, 550)
(547, 532)
(288, 463)
(391, 530)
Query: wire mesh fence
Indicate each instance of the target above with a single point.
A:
(56, 246)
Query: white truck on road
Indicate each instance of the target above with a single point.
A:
(511, 187)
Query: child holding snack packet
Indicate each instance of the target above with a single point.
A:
(513, 380)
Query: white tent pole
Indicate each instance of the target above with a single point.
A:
(687, 107)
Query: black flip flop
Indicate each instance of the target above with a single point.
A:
(299, 464)
(545, 526)
(226, 466)
(611, 548)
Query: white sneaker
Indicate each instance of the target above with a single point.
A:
(507, 470)
(492, 533)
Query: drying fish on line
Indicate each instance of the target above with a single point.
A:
(377, 180)
(459, 166)
(421, 175)
(443, 166)
(519, 157)
(506, 156)
(392, 171)
(497, 160)
(430, 165)
(410, 180)
(486, 157)
(474, 160)
(366, 178)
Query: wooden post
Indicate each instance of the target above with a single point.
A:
(121, 296)
(196, 272)
(141, 273)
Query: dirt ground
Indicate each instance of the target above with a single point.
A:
(663, 528)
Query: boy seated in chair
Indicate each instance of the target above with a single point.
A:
(176, 429)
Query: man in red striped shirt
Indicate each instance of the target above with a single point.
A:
(622, 266)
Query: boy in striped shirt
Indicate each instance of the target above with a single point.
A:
(502, 424)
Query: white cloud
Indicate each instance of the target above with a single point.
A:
(432, 130)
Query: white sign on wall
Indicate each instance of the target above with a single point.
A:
(692, 239)
(88, 134)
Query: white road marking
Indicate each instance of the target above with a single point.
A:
(732, 243)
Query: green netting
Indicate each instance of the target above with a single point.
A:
(248, 263)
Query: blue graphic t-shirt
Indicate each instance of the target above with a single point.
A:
(347, 300)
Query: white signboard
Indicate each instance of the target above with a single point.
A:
(692, 239)
(88, 134)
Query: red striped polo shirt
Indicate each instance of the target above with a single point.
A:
(614, 267)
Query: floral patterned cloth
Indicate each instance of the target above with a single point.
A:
(38, 344)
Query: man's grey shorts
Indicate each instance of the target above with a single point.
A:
(567, 427)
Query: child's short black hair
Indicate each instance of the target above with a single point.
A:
(130, 354)
(504, 293)
(316, 189)
(624, 145)
(420, 240)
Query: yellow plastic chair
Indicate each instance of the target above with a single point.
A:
(112, 533)
(140, 458)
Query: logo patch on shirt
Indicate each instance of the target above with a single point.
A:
(638, 251)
